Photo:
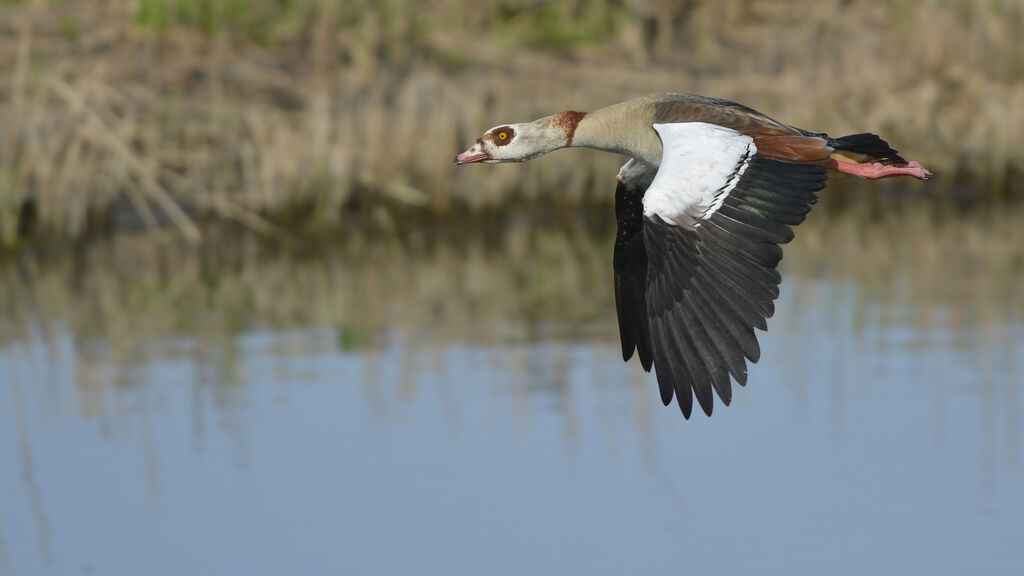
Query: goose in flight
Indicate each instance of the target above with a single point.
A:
(709, 192)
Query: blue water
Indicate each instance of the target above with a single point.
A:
(864, 442)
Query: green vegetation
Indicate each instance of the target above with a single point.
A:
(551, 25)
(279, 114)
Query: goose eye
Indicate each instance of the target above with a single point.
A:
(503, 136)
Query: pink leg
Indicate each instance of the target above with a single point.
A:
(883, 169)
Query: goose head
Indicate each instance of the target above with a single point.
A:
(520, 142)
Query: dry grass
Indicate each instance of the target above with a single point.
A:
(105, 109)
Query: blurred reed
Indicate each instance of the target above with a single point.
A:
(136, 299)
(277, 114)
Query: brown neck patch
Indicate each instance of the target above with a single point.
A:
(568, 121)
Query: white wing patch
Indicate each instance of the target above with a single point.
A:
(700, 164)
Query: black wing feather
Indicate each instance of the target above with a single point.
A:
(630, 264)
(709, 286)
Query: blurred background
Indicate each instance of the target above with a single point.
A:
(253, 318)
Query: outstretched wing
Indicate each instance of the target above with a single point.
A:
(630, 262)
(713, 219)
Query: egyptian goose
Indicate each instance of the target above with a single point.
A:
(708, 194)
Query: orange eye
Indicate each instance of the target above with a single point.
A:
(502, 136)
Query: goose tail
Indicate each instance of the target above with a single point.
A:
(866, 155)
(868, 144)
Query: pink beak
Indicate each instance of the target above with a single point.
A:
(474, 154)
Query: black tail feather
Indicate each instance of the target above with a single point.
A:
(868, 144)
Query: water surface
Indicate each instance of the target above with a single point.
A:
(413, 406)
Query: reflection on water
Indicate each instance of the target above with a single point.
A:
(459, 403)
